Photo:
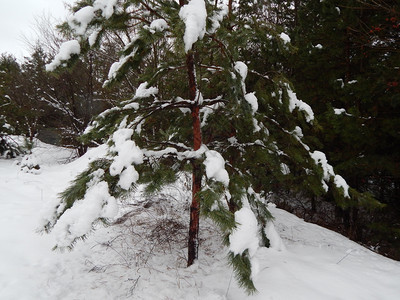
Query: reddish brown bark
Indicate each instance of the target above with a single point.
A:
(193, 241)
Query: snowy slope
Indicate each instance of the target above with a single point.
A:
(143, 256)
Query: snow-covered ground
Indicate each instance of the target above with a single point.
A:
(143, 256)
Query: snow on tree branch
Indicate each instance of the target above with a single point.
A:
(294, 102)
(115, 67)
(285, 38)
(106, 6)
(79, 23)
(194, 15)
(218, 16)
(251, 98)
(127, 154)
(245, 235)
(77, 221)
(158, 25)
(320, 159)
(81, 19)
(215, 167)
(67, 50)
(143, 92)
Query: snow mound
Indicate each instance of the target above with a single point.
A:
(142, 256)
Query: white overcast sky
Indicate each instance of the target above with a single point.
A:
(17, 17)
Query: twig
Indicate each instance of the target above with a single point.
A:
(229, 285)
(348, 253)
(134, 285)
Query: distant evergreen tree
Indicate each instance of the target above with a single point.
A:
(346, 67)
(193, 112)
(8, 69)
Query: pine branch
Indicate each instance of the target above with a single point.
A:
(151, 10)
(212, 102)
(242, 267)
(179, 146)
(159, 108)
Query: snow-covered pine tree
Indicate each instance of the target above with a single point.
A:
(8, 69)
(192, 112)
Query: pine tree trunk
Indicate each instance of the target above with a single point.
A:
(193, 242)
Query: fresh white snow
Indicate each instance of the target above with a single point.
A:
(136, 259)
(285, 38)
(245, 236)
(194, 15)
(320, 159)
(215, 167)
(294, 102)
(251, 98)
(218, 16)
(81, 19)
(106, 6)
(158, 25)
(143, 92)
(67, 49)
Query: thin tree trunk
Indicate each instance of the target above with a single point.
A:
(348, 58)
(296, 13)
(193, 241)
(230, 9)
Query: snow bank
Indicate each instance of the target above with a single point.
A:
(317, 264)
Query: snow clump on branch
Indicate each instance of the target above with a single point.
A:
(245, 235)
(294, 102)
(251, 98)
(218, 16)
(284, 37)
(77, 221)
(215, 167)
(66, 51)
(320, 159)
(79, 23)
(143, 92)
(127, 154)
(81, 19)
(158, 25)
(194, 15)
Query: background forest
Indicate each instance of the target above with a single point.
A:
(343, 60)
